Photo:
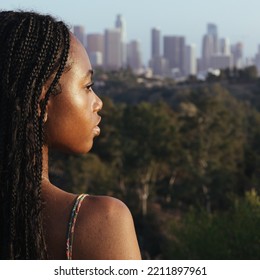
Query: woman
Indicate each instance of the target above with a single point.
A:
(47, 100)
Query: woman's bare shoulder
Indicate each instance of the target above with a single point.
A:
(105, 230)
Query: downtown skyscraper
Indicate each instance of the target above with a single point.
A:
(115, 56)
(209, 46)
(156, 42)
(134, 57)
(95, 49)
(158, 63)
(121, 25)
(113, 49)
(174, 53)
(190, 61)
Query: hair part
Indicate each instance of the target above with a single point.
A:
(33, 50)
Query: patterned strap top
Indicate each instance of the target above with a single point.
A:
(72, 222)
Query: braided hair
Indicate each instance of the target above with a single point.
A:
(33, 50)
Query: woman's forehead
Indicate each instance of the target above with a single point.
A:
(78, 54)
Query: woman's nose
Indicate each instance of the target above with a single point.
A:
(98, 104)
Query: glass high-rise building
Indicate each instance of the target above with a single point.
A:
(212, 31)
(134, 59)
(112, 51)
(174, 52)
(190, 62)
(207, 51)
(121, 26)
(95, 43)
(210, 46)
(95, 48)
(155, 44)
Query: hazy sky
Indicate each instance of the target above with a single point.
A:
(239, 20)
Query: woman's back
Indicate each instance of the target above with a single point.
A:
(103, 229)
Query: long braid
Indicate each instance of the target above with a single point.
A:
(38, 51)
(22, 55)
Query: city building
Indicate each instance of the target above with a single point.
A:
(174, 53)
(210, 46)
(190, 61)
(95, 49)
(134, 58)
(237, 54)
(221, 61)
(95, 43)
(212, 31)
(112, 49)
(207, 51)
(121, 25)
(155, 44)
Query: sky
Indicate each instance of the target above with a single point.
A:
(238, 20)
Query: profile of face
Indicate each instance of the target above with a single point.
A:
(72, 115)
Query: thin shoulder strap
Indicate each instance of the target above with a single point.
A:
(71, 227)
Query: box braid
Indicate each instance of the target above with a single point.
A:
(33, 52)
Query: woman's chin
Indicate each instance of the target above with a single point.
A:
(79, 149)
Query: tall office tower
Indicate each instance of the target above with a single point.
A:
(134, 60)
(207, 51)
(237, 52)
(79, 32)
(112, 51)
(95, 43)
(156, 38)
(174, 52)
(190, 62)
(210, 46)
(225, 46)
(213, 31)
(95, 48)
(157, 62)
(121, 25)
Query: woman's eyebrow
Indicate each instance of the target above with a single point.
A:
(90, 73)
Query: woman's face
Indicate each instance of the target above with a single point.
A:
(72, 115)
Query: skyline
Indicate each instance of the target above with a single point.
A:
(234, 20)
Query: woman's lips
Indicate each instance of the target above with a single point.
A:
(96, 130)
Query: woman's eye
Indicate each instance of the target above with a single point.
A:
(89, 86)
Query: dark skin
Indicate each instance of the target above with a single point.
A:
(104, 227)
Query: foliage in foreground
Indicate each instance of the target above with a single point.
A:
(233, 234)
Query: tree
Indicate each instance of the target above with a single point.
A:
(148, 135)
